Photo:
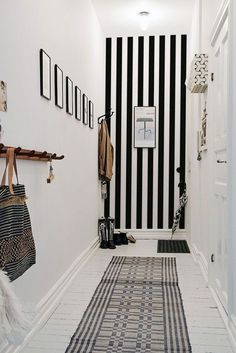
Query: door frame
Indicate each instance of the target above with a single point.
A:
(221, 17)
(232, 176)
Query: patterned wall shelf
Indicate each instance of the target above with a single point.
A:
(197, 81)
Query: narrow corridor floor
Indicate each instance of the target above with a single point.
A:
(206, 328)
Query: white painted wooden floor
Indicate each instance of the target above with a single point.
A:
(206, 328)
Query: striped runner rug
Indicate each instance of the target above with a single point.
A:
(136, 308)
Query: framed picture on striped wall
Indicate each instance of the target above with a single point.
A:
(145, 127)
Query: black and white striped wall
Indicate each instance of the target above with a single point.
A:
(146, 71)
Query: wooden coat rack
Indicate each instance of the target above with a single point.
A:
(31, 155)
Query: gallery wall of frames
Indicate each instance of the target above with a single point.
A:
(76, 102)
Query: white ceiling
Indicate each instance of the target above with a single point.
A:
(120, 17)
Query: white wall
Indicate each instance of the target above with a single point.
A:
(64, 214)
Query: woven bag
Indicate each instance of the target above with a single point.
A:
(17, 248)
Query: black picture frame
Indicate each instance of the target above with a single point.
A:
(85, 109)
(91, 115)
(77, 103)
(58, 78)
(45, 74)
(69, 95)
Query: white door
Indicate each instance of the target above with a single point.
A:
(219, 96)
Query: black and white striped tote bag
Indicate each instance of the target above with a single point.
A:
(17, 248)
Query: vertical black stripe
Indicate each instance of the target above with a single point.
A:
(129, 131)
(161, 131)
(139, 150)
(107, 107)
(118, 130)
(172, 129)
(150, 150)
(183, 120)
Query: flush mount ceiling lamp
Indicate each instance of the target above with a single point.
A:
(144, 20)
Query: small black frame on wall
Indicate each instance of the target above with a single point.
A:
(69, 95)
(91, 115)
(45, 74)
(77, 103)
(85, 109)
(58, 77)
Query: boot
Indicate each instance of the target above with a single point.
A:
(102, 233)
(110, 230)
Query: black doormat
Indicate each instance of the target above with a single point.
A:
(173, 246)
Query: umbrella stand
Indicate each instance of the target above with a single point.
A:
(182, 202)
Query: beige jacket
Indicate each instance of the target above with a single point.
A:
(106, 153)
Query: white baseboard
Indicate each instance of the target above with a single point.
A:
(200, 259)
(150, 234)
(230, 323)
(232, 332)
(50, 301)
(220, 307)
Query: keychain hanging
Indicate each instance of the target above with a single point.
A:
(51, 174)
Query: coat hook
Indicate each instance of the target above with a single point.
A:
(61, 157)
(31, 153)
(54, 155)
(44, 154)
(17, 150)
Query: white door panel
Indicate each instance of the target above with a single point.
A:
(219, 115)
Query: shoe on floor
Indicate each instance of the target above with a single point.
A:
(124, 239)
(117, 239)
(131, 238)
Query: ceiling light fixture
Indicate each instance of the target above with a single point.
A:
(144, 19)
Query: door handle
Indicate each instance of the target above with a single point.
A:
(221, 161)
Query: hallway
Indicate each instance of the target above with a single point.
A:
(206, 328)
(147, 88)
